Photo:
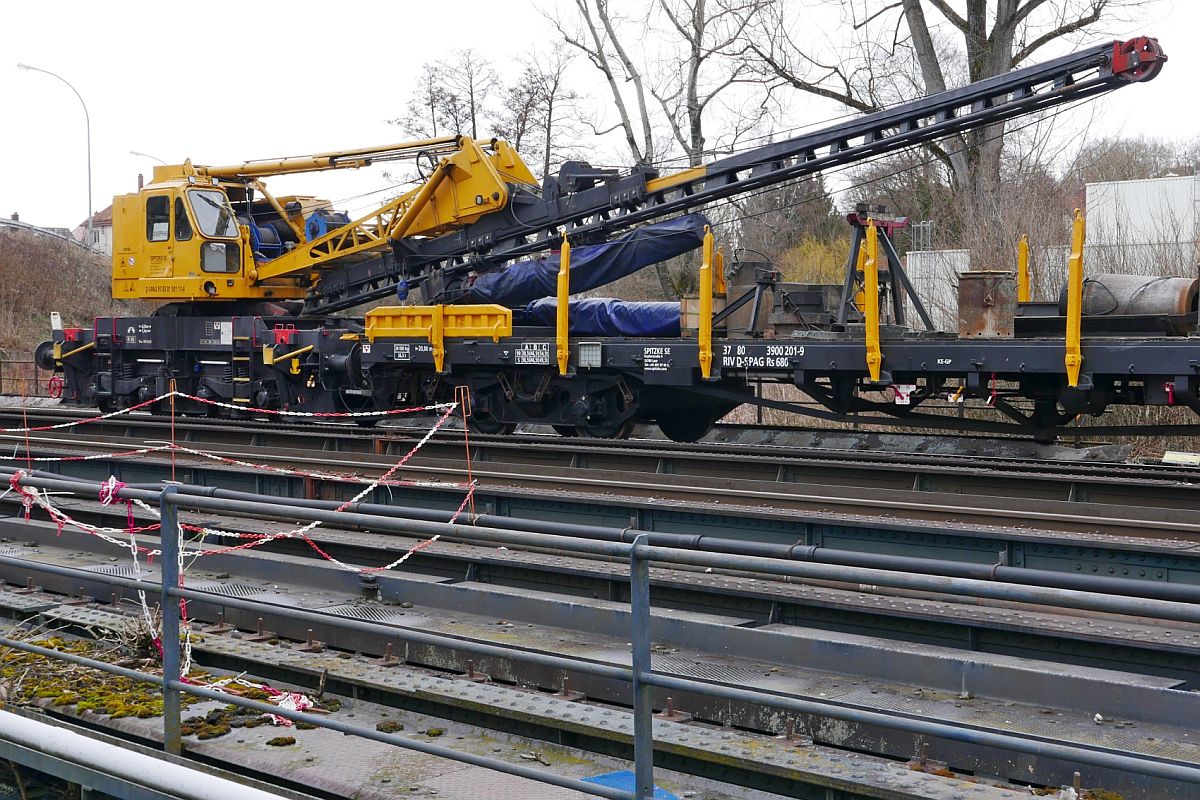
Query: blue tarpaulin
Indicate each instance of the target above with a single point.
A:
(625, 780)
(592, 266)
(604, 316)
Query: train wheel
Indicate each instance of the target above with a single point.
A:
(608, 430)
(484, 422)
(685, 427)
(565, 430)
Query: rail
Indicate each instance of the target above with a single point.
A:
(639, 554)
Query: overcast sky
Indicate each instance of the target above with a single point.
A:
(223, 82)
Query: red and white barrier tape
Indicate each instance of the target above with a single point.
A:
(97, 418)
(95, 457)
(31, 496)
(304, 529)
(416, 548)
(317, 414)
(159, 447)
(300, 473)
(109, 495)
(235, 407)
(292, 701)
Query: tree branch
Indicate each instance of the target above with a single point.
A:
(950, 14)
(814, 87)
(632, 71)
(1062, 30)
(878, 13)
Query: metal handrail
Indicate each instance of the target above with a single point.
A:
(16, 380)
(25, 226)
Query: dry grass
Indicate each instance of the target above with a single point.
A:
(40, 274)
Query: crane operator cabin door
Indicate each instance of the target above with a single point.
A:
(158, 254)
(191, 237)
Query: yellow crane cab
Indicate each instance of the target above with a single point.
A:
(180, 238)
(199, 233)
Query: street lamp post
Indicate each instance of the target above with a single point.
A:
(147, 155)
(88, 123)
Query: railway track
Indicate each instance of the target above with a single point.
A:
(962, 513)
(1027, 697)
(967, 495)
(725, 435)
(914, 617)
(966, 473)
(984, 664)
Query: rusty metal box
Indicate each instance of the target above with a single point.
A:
(987, 303)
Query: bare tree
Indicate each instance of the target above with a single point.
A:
(558, 103)
(424, 109)
(684, 84)
(931, 45)
(1117, 159)
(681, 90)
(470, 79)
(768, 222)
(450, 97)
(595, 36)
(519, 101)
(706, 29)
(537, 110)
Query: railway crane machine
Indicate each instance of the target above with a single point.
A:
(258, 292)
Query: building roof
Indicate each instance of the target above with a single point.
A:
(99, 218)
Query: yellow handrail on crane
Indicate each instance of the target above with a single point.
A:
(561, 331)
(1074, 357)
(704, 333)
(871, 301)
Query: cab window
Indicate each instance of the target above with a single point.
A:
(158, 218)
(213, 215)
(220, 257)
(183, 226)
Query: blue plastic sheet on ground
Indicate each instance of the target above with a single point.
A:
(592, 266)
(604, 316)
(624, 780)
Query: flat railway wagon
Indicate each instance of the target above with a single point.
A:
(253, 285)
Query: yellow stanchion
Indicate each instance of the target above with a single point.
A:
(564, 298)
(871, 300)
(1074, 357)
(704, 333)
(1023, 269)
